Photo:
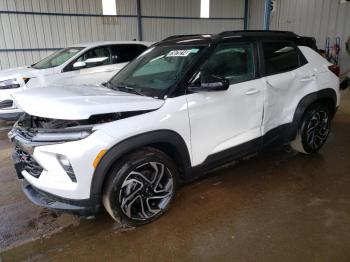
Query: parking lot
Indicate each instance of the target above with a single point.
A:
(280, 206)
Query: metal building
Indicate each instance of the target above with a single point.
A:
(321, 19)
(30, 29)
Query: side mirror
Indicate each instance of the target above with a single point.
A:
(218, 84)
(79, 65)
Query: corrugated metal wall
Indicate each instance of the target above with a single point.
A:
(317, 18)
(38, 31)
(46, 31)
(156, 29)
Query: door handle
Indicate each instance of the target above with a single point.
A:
(252, 92)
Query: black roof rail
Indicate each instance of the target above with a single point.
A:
(264, 32)
(177, 36)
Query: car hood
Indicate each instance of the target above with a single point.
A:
(18, 72)
(81, 102)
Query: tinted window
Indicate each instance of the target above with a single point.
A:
(126, 53)
(96, 57)
(234, 62)
(280, 57)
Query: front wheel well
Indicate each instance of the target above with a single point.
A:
(167, 141)
(167, 148)
(173, 153)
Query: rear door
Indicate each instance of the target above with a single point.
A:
(288, 79)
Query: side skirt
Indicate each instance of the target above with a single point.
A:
(273, 140)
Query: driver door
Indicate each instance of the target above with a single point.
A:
(223, 120)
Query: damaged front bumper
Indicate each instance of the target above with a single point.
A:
(46, 183)
(85, 208)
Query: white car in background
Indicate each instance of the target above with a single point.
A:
(86, 63)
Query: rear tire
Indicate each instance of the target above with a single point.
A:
(140, 187)
(313, 130)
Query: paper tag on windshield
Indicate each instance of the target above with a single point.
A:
(179, 53)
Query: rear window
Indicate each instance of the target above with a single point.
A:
(280, 57)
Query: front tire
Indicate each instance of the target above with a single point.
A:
(313, 130)
(140, 187)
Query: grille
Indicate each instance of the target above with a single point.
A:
(29, 163)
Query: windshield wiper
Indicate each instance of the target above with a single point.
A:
(125, 88)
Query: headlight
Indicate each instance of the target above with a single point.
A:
(61, 136)
(10, 84)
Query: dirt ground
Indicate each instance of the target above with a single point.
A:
(280, 206)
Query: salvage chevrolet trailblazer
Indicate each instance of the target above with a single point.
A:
(184, 106)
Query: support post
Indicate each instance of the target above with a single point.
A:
(246, 14)
(139, 19)
(267, 13)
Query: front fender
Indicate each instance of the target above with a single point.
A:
(167, 137)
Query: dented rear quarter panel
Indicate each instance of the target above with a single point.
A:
(284, 91)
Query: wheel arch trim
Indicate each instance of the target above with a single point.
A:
(167, 137)
(308, 100)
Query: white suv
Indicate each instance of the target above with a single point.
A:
(183, 107)
(87, 63)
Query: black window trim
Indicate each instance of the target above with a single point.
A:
(68, 68)
(262, 56)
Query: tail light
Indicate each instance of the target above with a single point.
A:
(335, 69)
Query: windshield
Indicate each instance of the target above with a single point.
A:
(157, 69)
(58, 58)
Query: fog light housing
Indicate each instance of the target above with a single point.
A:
(65, 163)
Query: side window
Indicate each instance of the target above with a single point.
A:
(235, 62)
(125, 53)
(98, 56)
(280, 57)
